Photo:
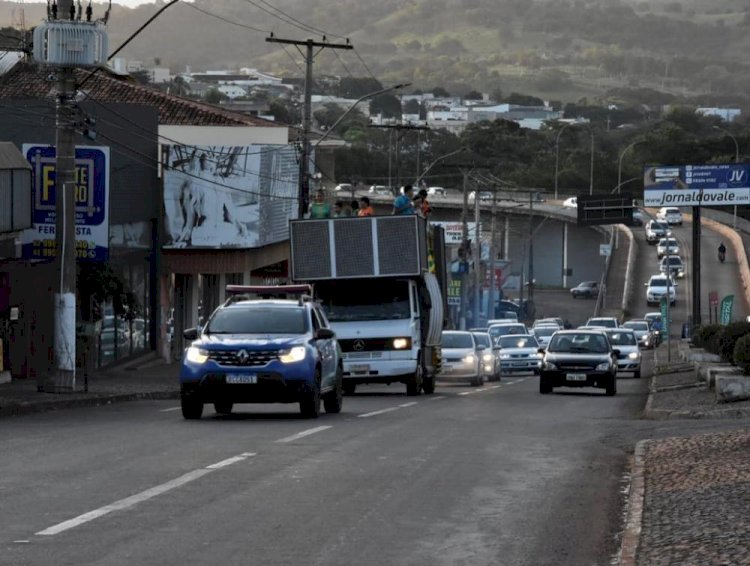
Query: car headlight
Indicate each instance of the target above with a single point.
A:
(470, 359)
(487, 357)
(296, 354)
(604, 366)
(401, 343)
(197, 355)
(633, 355)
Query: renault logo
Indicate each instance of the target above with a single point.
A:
(359, 345)
(242, 356)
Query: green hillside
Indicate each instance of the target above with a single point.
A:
(555, 49)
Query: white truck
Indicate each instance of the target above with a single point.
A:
(381, 282)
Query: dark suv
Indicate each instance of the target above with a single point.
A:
(579, 358)
(262, 351)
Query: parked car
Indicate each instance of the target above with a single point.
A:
(603, 322)
(483, 195)
(629, 356)
(489, 359)
(518, 353)
(659, 286)
(656, 230)
(585, 289)
(380, 190)
(670, 215)
(571, 202)
(343, 187)
(460, 358)
(667, 244)
(674, 266)
(642, 331)
(579, 358)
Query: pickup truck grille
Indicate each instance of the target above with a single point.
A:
(243, 358)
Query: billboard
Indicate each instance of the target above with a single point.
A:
(454, 231)
(691, 185)
(92, 203)
(229, 196)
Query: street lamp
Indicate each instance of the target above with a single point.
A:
(619, 166)
(431, 165)
(557, 155)
(736, 160)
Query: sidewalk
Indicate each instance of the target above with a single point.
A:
(689, 496)
(142, 378)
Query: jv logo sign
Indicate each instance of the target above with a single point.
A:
(737, 176)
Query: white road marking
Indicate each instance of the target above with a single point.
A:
(437, 398)
(21, 541)
(142, 496)
(304, 433)
(170, 409)
(125, 503)
(466, 393)
(380, 412)
(481, 389)
(496, 387)
(408, 404)
(230, 461)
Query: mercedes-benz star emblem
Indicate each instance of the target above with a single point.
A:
(358, 345)
(242, 356)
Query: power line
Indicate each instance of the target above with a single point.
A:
(223, 19)
(309, 27)
(284, 19)
(364, 64)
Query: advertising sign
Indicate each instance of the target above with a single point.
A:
(454, 231)
(229, 196)
(725, 310)
(454, 292)
(691, 185)
(664, 318)
(92, 203)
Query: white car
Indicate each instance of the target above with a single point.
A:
(519, 353)
(659, 286)
(460, 360)
(543, 333)
(489, 359)
(554, 321)
(670, 215)
(437, 192)
(656, 230)
(629, 358)
(642, 331)
(675, 267)
(603, 322)
(667, 244)
(380, 190)
(343, 187)
(571, 202)
(497, 330)
(483, 195)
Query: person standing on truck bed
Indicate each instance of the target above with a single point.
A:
(364, 207)
(319, 208)
(424, 206)
(339, 210)
(403, 203)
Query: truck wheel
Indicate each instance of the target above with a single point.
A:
(349, 388)
(335, 399)
(428, 384)
(477, 381)
(223, 408)
(192, 407)
(637, 374)
(309, 405)
(414, 383)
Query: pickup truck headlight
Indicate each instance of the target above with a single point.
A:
(633, 355)
(197, 355)
(470, 359)
(296, 354)
(604, 366)
(401, 343)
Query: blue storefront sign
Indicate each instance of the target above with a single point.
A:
(91, 197)
(691, 185)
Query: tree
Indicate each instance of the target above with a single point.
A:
(214, 96)
(473, 95)
(440, 92)
(351, 87)
(524, 100)
(412, 106)
(386, 104)
(141, 77)
(284, 112)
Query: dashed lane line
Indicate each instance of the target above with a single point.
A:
(380, 412)
(304, 433)
(170, 409)
(150, 493)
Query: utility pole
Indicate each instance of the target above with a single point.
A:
(493, 255)
(399, 128)
(531, 248)
(464, 249)
(477, 258)
(309, 55)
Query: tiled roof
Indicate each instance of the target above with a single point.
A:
(28, 80)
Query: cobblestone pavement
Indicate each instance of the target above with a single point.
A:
(697, 496)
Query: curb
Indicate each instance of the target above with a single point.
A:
(628, 289)
(17, 409)
(634, 521)
(668, 414)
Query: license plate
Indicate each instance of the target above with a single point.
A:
(360, 367)
(576, 377)
(241, 378)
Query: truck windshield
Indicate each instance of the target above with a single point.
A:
(358, 299)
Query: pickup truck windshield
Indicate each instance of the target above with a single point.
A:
(345, 301)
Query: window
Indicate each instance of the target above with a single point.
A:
(258, 320)
(621, 338)
(579, 343)
(457, 340)
(517, 342)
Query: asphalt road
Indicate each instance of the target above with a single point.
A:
(715, 276)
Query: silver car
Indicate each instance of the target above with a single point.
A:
(460, 357)
(519, 353)
(489, 359)
(629, 358)
(642, 331)
(497, 330)
(543, 334)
